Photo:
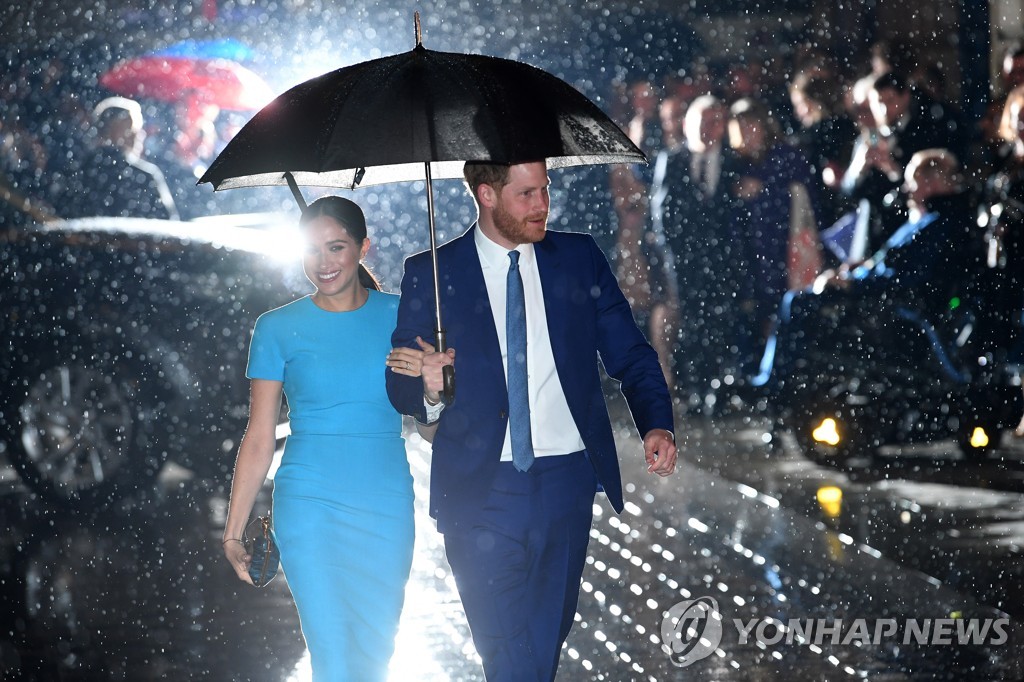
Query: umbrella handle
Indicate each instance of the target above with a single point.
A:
(448, 371)
(448, 394)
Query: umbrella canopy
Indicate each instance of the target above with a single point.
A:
(416, 116)
(381, 121)
(222, 82)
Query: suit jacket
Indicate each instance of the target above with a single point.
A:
(928, 261)
(587, 317)
(926, 128)
(696, 227)
(110, 184)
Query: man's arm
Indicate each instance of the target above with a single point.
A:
(414, 320)
(626, 353)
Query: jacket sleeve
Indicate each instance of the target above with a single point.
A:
(414, 319)
(626, 354)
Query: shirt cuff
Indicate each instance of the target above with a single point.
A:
(433, 411)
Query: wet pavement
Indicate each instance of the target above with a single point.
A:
(920, 540)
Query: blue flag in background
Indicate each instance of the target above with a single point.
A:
(847, 237)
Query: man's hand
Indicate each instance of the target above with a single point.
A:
(433, 381)
(879, 155)
(660, 452)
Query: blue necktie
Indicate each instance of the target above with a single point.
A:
(518, 381)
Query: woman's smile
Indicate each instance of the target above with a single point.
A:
(332, 262)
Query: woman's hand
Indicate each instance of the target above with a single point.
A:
(425, 362)
(239, 559)
(407, 361)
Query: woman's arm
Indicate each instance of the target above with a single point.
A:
(425, 363)
(255, 455)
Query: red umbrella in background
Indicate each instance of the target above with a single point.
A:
(221, 82)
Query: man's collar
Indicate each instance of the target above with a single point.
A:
(493, 255)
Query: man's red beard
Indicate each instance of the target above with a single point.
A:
(518, 231)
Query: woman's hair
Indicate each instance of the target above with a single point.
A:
(349, 216)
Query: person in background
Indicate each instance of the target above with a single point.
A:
(1004, 201)
(671, 113)
(774, 206)
(639, 268)
(905, 124)
(826, 138)
(23, 173)
(185, 157)
(1011, 77)
(931, 255)
(691, 207)
(114, 179)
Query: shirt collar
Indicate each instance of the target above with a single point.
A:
(496, 256)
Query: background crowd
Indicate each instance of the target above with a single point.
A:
(765, 182)
(765, 175)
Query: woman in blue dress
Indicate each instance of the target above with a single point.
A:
(343, 498)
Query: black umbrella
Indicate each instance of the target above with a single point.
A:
(417, 116)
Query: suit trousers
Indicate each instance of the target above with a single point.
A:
(518, 567)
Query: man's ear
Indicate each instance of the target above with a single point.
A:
(487, 195)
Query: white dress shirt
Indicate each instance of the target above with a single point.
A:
(554, 431)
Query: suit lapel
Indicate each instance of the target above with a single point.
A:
(550, 265)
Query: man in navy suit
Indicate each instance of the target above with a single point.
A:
(521, 451)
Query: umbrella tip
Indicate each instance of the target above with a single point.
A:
(419, 31)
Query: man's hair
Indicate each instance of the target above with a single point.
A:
(820, 90)
(704, 102)
(478, 173)
(891, 81)
(115, 109)
(936, 162)
(695, 113)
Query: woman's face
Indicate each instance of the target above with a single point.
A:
(331, 257)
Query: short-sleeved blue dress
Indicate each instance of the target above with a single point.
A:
(343, 499)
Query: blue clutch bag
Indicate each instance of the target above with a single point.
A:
(261, 545)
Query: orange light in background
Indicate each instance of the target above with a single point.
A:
(830, 498)
(979, 438)
(827, 432)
